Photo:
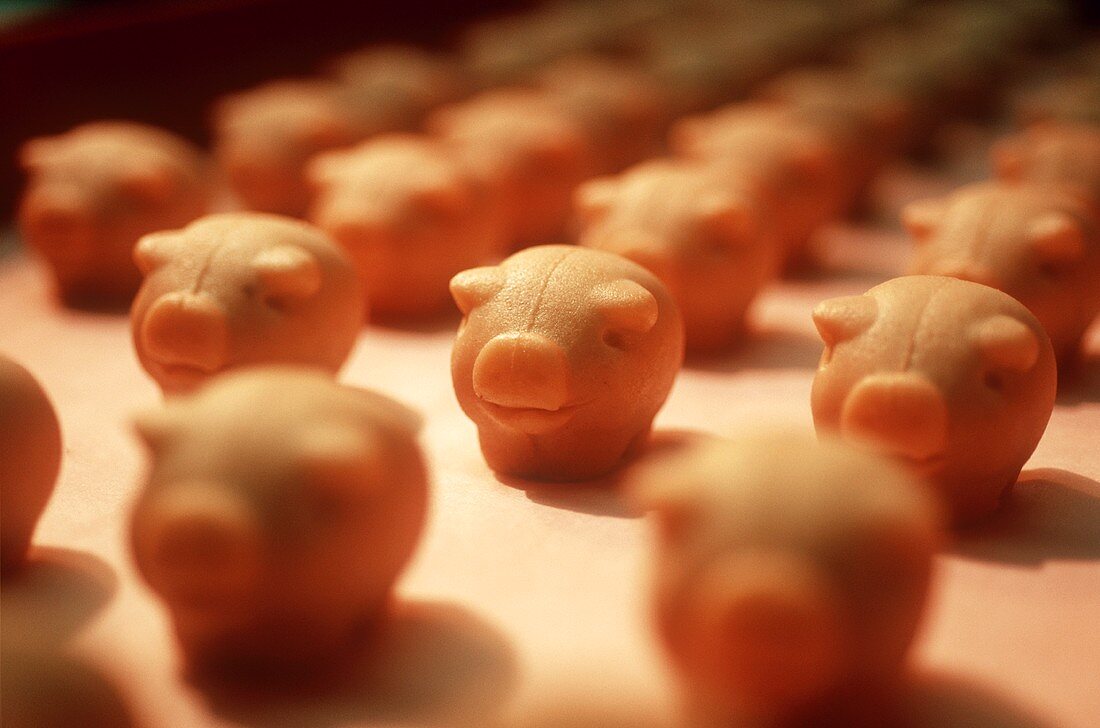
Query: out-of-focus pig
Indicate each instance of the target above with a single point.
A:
(790, 578)
(410, 215)
(527, 149)
(1037, 244)
(623, 110)
(278, 512)
(954, 379)
(1066, 156)
(799, 159)
(93, 191)
(30, 457)
(265, 136)
(396, 85)
(240, 289)
(709, 238)
(563, 358)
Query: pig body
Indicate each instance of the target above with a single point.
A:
(278, 511)
(1062, 155)
(410, 216)
(709, 238)
(265, 137)
(1038, 244)
(527, 149)
(952, 378)
(93, 191)
(790, 576)
(241, 289)
(30, 457)
(564, 356)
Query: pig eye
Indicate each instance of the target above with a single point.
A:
(615, 339)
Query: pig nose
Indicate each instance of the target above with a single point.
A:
(967, 271)
(186, 329)
(523, 370)
(199, 538)
(904, 413)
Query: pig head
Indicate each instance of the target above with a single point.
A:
(1053, 154)
(563, 358)
(952, 378)
(707, 237)
(1039, 245)
(95, 190)
(278, 510)
(790, 575)
(239, 289)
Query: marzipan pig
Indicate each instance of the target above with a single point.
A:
(265, 136)
(410, 216)
(527, 149)
(952, 378)
(709, 238)
(30, 457)
(790, 577)
(1037, 244)
(239, 289)
(278, 511)
(93, 191)
(1052, 154)
(563, 358)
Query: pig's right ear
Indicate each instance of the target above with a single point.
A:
(287, 273)
(627, 306)
(922, 217)
(323, 169)
(338, 456)
(843, 318)
(594, 199)
(154, 250)
(774, 609)
(471, 288)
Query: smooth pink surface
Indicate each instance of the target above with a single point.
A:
(531, 601)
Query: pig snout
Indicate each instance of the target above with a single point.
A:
(199, 542)
(186, 329)
(523, 370)
(903, 413)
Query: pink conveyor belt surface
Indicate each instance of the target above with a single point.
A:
(528, 604)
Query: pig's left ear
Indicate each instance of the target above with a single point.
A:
(626, 305)
(1008, 158)
(287, 273)
(475, 286)
(1057, 239)
(727, 212)
(153, 184)
(154, 250)
(845, 317)
(33, 153)
(337, 455)
(155, 427)
(922, 217)
(1006, 343)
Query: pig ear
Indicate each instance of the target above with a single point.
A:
(1008, 159)
(155, 427)
(1058, 239)
(726, 212)
(34, 153)
(1006, 343)
(922, 217)
(287, 272)
(843, 318)
(594, 198)
(148, 183)
(336, 455)
(154, 250)
(627, 306)
(778, 609)
(325, 168)
(326, 133)
(475, 286)
(446, 195)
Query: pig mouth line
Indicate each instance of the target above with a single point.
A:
(533, 420)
